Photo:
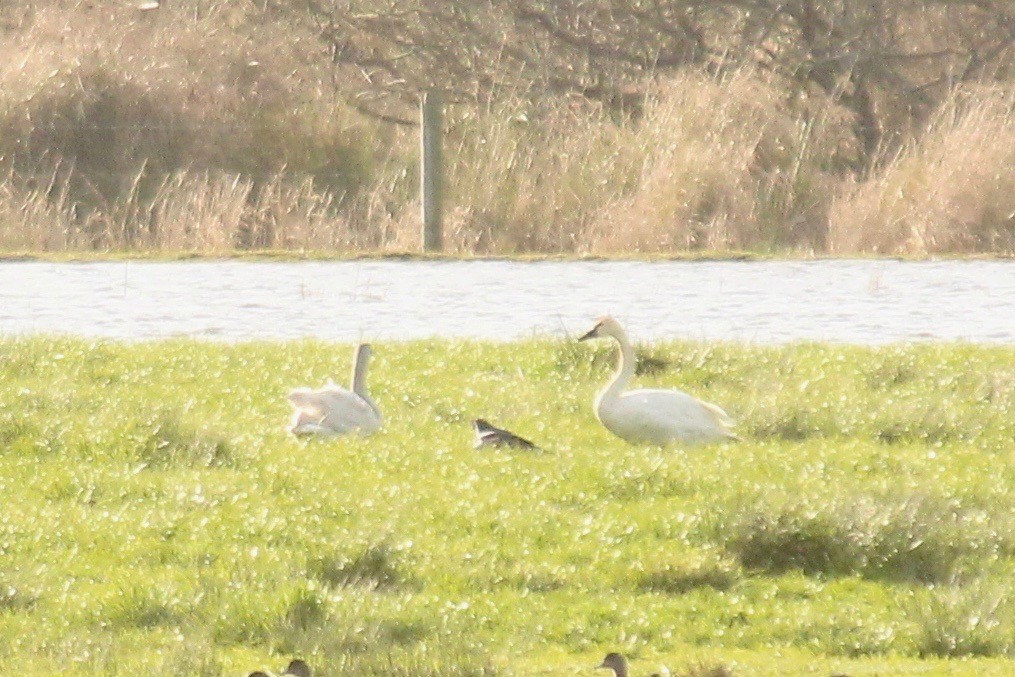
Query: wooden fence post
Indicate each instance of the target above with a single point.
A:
(431, 169)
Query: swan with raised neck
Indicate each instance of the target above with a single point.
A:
(333, 410)
(652, 416)
(359, 376)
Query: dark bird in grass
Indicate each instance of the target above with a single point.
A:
(296, 668)
(491, 436)
(616, 662)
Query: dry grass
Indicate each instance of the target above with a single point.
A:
(952, 189)
(536, 180)
(124, 129)
(714, 163)
(727, 166)
(209, 212)
(224, 129)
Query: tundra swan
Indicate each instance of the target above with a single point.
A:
(652, 416)
(491, 436)
(333, 410)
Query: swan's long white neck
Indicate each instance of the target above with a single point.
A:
(359, 377)
(624, 372)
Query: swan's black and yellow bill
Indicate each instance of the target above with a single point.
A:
(591, 333)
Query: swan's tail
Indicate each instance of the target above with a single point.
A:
(720, 416)
(722, 419)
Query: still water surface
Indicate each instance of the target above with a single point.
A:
(771, 301)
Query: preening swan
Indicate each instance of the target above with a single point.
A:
(652, 416)
(488, 435)
(333, 410)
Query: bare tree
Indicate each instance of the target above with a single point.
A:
(887, 61)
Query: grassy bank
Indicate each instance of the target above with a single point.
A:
(216, 127)
(158, 519)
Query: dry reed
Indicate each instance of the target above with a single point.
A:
(224, 129)
(952, 189)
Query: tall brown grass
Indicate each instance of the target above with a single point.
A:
(224, 129)
(123, 129)
(727, 165)
(951, 189)
(713, 163)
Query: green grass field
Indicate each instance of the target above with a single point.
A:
(158, 519)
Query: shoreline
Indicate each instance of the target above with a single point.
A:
(329, 256)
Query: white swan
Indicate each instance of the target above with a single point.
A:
(333, 410)
(652, 416)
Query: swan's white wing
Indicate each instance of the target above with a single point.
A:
(350, 413)
(306, 402)
(661, 416)
(335, 409)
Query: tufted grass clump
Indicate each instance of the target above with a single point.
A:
(307, 609)
(964, 621)
(15, 599)
(930, 425)
(917, 539)
(417, 662)
(198, 660)
(143, 607)
(794, 424)
(681, 577)
(377, 565)
(13, 428)
(676, 582)
(163, 440)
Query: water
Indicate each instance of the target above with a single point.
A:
(772, 301)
